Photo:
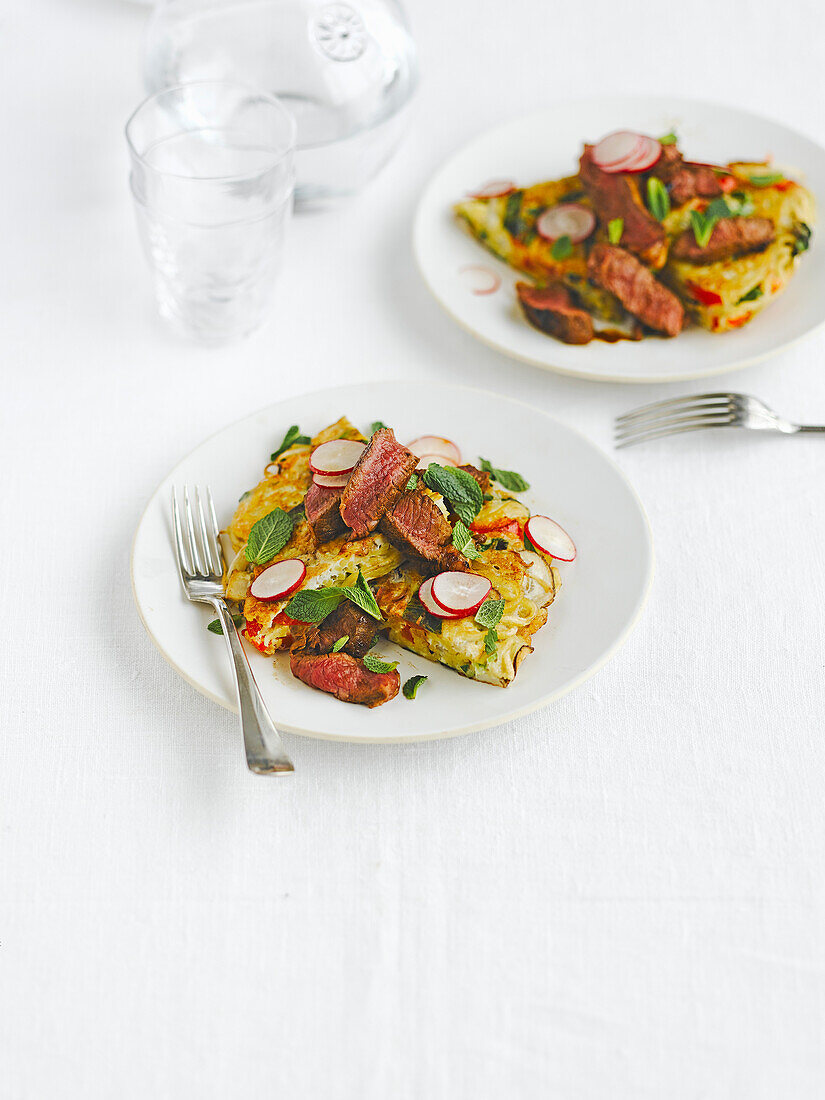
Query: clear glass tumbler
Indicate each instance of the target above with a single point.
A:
(213, 180)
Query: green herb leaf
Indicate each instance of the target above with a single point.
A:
(342, 641)
(463, 541)
(766, 179)
(375, 664)
(702, 227)
(412, 685)
(312, 605)
(411, 484)
(216, 627)
(268, 536)
(244, 496)
(490, 612)
(298, 513)
(718, 208)
(361, 595)
(376, 426)
(509, 479)
(658, 200)
(513, 222)
(615, 228)
(291, 439)
(752, 295)
(801, 238)
(415, 612)
(562, 247)
(668, 139)
(491, 641)
(458, 487)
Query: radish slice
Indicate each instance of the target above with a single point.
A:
(434, 445)
(493, 190)
(425, 594)
(617, 147)
(442, 460)
(278, 580)
(338, 481)
(546, 535)
(484, 279)
(460, 593)
(645, 159)
(336, 457)
(568, 219)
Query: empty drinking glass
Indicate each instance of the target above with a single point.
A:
(213, 179)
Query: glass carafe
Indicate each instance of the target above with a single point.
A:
(345, 70)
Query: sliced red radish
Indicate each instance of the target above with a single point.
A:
(460, 593)
(434, 445)
(278, 580)
(645, 159)
(484, 279)
(425, 461)
(493, 190)
(337, 481)
(568, 219)
(425, 594)
(549, 537)
(336, 457)
(617, 147)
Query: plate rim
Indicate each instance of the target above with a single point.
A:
(572, 372)
(459, 731)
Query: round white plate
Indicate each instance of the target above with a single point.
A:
(546, 145)
(602, 593)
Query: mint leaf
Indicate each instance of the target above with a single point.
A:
(463, 541)
(375, 664)
(752, 295)
(342, 641)
(412, 685)
(216, 627)
(658, 200)
(459, 488)
(415, 612)
(361, 595)
(615, 228)
(292, 437)
(411, 484)
(490, 612)
(718, 208)
(562, 247)
(491, 641)
(376, 426)
(766, 179)
(509, 479)
(702, 227)
(312, 605)
(802, 238)
(668, 139)
(268, 536)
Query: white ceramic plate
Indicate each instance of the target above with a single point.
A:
(602, 593)
(547, 145)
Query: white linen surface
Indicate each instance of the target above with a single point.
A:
(621, 895)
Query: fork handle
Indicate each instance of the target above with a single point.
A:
(811, 428)
(265, 752)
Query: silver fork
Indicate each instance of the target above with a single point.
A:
(700, 411)
(199, 556)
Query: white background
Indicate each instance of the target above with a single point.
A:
(620, 896)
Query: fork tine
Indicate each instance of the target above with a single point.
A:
(660, 432)
(180, 547)
(685, 408)
(724, 415)
(675, 402)
(211, 566)
(194, 548)
(215, 530)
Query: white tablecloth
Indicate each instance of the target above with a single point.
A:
(619, 896)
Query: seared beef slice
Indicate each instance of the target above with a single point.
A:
(420, 530)
(551, 309)
(322, 507)
(343, 676)
(637, 289)
(346, 621)
(616, 195)
(730, 237)
(374, 485)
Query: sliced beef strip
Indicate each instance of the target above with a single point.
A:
(637, 288)
(374, 485)
(730, 237)
(345, 677)
(323, 512)
(616, 195)
(347, 620)
(418, 527)
(481, 476)
(685, 180)
(551, 309)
